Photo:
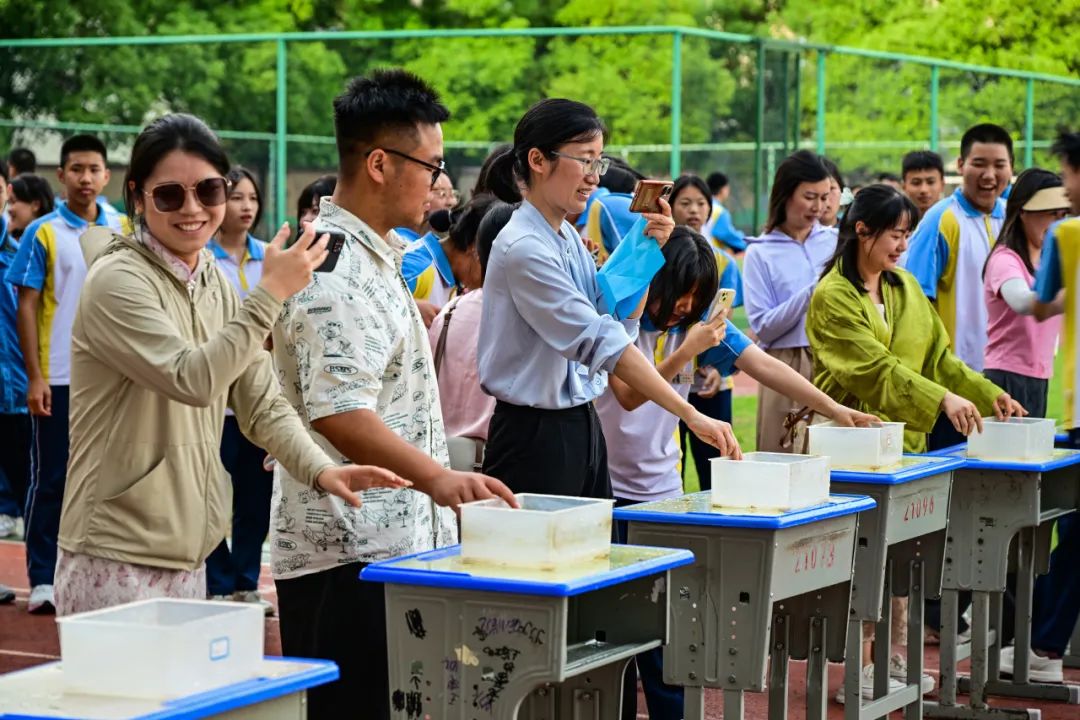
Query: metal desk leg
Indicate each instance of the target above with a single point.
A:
(947, 632)
(778, 672)
(817, 674)
(694, 704)
(883, 639)
(993, 637)
(1072, 656)
(778, 669)
(916, 596)
(1025, 588)
(853, 668)
(733, 705)
(980, 635)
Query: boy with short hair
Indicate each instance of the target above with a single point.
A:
(20, 161)
(923, 178)
(949, 248)
(49, 270)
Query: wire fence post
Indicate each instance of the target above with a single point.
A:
(676, 104)
(759, 131)
(820, 135)
(935, 85)
(1029, 124)
(280, 136)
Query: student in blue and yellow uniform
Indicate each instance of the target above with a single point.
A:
(949, 249)
(233, 573)
(1057, 594)
(440, 264)
(719, 229)
(548, 335)
(643, 457)
(49, 269)
(711, 392)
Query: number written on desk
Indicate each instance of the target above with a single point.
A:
(813, 556)
(919, 507)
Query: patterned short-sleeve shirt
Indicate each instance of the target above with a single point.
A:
(354, 340)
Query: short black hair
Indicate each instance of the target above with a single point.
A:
(716, 181)
(387, 100)
(985, 133)
(887, 177)
(688, 181)
(28, 187)
(921, 160)
(689, 266)
(238, 173)
(314, 191)
(22, 160)
(82, 143)
(620, 177)
(1067, 147)
(465, 221)
(834, 171)
(495, 219)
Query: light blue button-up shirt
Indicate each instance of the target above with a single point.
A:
(546, 338)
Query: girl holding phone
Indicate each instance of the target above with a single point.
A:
(547, 340)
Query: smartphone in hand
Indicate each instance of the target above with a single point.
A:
(725, 297)
(647, 194)
(333, 247)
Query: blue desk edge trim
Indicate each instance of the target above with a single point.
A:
(938, 464)
(230, 697)
(386, 571)
(1073, 458)
(825, 511)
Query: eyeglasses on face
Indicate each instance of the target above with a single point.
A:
(592, 166)
(170, 196)
(436, 170)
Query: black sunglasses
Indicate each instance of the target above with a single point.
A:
(436, 170)
(170, 197)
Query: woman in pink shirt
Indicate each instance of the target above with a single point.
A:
(1020, 351)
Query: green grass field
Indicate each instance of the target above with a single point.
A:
(744, 412)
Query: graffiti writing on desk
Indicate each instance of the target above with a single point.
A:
(452, 666)
(489, 626)
(415, 621)
(492, 681)
(411, 702)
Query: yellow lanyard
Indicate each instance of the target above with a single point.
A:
(240, 270)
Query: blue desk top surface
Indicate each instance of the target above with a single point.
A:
(697, 509)
(1060, 458)
(444, 568)
(910, 467)
(37, 694)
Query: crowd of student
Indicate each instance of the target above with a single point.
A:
(538, 337)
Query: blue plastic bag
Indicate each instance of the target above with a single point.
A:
(626, 275)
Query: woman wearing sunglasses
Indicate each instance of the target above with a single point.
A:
(161, 344)
(547, 339)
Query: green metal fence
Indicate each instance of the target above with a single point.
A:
(733, 102)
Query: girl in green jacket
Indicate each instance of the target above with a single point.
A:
(878, 345)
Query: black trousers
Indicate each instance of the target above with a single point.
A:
(333, 615)
(557, 452)
(1028, 391)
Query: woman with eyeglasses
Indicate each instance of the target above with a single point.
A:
(161, 344)
(1019, 349)
(547, 338)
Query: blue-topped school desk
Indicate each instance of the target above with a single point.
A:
(471, 641)
(755, 574)
(900, 551)
(993, 502)
(278, 693)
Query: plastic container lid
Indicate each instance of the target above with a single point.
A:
(697, 509)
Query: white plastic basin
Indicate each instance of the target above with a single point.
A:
(161, 648)
(773, 481)
(880, 445)
(1013, 439)
(546, 532)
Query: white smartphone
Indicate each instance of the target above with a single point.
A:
(725, 297)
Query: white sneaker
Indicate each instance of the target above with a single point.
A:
(42, 600)
(868, 685)
(7, 526)
(1041, 669)
(220, 598)
(252, 596)
(898, 670)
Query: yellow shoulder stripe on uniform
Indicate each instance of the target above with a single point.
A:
(425, 282)
(48, 302)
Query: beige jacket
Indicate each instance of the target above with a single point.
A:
(154, 363)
